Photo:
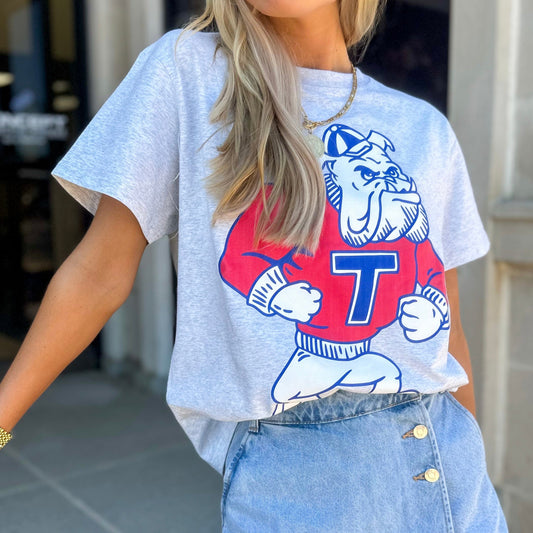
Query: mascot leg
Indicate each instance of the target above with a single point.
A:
(307, 375)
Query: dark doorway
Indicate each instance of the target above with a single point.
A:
(410, 49)
(43, 107)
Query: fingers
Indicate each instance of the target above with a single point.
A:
(297, 301)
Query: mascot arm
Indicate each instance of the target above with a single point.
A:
(242, 264)
(423, 315)
(265, 288)
(432, 279)
(273, 294)
(439, 301)
(429, 267)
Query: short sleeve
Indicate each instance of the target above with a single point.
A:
(464, 238)
(129, 150)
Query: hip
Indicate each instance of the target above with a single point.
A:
(361, 462)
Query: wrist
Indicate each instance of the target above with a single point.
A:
(265, 288)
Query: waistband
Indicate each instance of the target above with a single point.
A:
(339, 405)
(331, 349)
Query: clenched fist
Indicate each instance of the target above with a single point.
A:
(419, 317)
(297, 301)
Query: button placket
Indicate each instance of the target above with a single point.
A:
(427, 460)
(420, 431)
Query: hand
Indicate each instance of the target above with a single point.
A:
(419, 317)
(297, 301)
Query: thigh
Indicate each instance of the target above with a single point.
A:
(354, 474)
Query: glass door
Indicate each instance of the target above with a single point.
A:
(43, 96)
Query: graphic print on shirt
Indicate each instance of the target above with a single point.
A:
(374, 265)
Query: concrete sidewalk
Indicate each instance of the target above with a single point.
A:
(95, 454)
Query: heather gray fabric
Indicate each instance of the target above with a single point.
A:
(259, 331)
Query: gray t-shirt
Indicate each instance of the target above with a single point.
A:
(262, 329)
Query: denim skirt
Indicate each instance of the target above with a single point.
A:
(369, 463)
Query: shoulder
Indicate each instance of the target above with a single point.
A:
(411, 113)
(178, 49)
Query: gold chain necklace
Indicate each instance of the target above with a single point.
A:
(315, 142)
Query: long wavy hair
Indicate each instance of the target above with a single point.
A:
(261, 101)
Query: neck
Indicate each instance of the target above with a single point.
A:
(315, 40)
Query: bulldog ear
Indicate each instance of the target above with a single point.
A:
(327, 168)
(377, 138)
(333, 189)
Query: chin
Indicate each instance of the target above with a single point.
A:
(288, 8)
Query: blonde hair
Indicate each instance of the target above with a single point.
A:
(261, 102)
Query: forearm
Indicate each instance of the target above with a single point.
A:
(74, 309)
(458, 347)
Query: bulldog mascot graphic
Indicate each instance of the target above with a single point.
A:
(374, 265)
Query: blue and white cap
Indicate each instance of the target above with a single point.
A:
(342, 140)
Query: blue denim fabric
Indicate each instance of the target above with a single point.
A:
(346, 463)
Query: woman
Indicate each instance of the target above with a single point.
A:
(321, 217)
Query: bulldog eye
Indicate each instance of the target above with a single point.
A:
(392, 171)
(367, 173)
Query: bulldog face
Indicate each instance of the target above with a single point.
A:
(376, 200)
(374, 171)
